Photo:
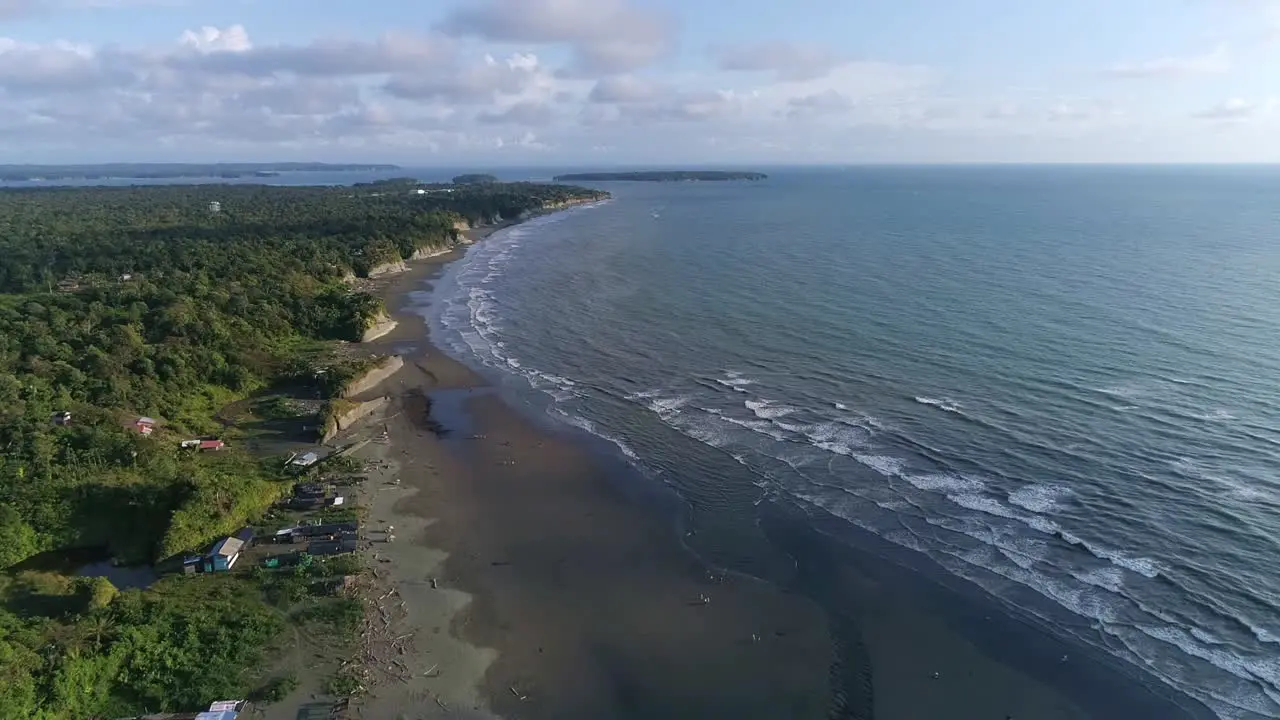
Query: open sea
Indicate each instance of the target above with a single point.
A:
(1059, 384)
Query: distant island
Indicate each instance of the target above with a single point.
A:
(661, 176)
(151, 171)
(474, 179)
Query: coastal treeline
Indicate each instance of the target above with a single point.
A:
(170, 302)
(140, 171)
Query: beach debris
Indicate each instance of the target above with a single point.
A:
(518, 695)
(434, 586)
(440, 703)
(755, 638)
(704, 599)
(936, 675)
(433, 669)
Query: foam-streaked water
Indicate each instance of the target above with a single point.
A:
(1059, 383)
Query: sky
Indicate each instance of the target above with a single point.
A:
(605, 83)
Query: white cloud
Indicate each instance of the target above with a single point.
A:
(1216, 61)
(525, 112)
(608, 36)
(1236, 109)
(786, 61)
(211, 39)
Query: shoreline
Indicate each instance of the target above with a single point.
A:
(558, 596)
(594, 606)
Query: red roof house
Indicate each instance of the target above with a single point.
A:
(212, 444)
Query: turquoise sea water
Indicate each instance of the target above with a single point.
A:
(1060, 384)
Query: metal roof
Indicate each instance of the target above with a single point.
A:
(227, 547)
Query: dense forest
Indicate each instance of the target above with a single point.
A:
(169, 302)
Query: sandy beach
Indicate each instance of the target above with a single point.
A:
(530, 579)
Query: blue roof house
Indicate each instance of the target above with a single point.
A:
(224, 555)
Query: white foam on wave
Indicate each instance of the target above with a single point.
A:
(1084, 600)
(983, 503)
(762, 427)
(1129, 391)
(840, 406)
(946, 404)
(1236, 488)
(1039, 498)
(1240, 690)
(1244, 695)
(882, 464)
(1213, 416)
(584, 424)
(1146, 567)
(767, 410)
(944, 483)
(834, 437)
(1108, 578)
(735, 381)
(666, 407)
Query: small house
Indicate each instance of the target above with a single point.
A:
(329, 530)
(224, 555)
(306, 459)
(61, 418)
(192, 564)
(309, 490)
(339, 545)
(305, 503)
(245, 535)
(211, 445)
(144, 425)
(190, 443)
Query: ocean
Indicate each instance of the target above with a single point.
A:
(1058, 385)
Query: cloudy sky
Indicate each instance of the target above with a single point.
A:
(615, 82)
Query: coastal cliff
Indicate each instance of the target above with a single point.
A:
(388, 268)
(380, 325)
(372, 377)
(342, 414)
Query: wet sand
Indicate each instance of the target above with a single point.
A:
(569, 592)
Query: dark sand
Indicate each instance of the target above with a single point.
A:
(581, 582)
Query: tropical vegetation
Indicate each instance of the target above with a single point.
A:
(171, 302)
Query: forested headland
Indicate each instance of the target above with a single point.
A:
(171, 302)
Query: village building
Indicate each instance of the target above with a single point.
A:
(224, 555)
(305, 460)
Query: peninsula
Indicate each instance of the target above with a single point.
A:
(662, 176)
(152, 171)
